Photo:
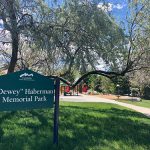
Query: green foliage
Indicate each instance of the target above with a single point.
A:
(92, 33)
(101, 84)
(146, 92)
(82, 126)
(93, 82)
(140, 80)
(79, 34)
(139, 32)
(123, 85)
(107, 86)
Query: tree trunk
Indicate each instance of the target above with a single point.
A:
(13, 61)
(14, 35)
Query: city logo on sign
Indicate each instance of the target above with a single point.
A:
(26, 77)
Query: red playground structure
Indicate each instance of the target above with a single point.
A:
(67, 90)
(84, 88)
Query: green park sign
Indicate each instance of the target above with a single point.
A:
(26, 90)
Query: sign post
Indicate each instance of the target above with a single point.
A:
(56, 111)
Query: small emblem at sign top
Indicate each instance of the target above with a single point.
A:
(26, 76)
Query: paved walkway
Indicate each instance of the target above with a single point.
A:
(87, 98)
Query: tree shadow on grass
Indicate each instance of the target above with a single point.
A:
(83, 128)
(25, 130)
(112, 111)
(115, 125)
(6, 115)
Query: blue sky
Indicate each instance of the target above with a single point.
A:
(118, 8)
(119, 12)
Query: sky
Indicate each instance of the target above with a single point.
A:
(119, 9)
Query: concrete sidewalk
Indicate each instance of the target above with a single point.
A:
(87, 98)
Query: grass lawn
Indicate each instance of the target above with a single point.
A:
(143, 103)
(83, 126)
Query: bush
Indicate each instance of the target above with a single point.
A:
(146, 92)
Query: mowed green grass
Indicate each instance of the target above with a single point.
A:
(143, 103)
(82, 126)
